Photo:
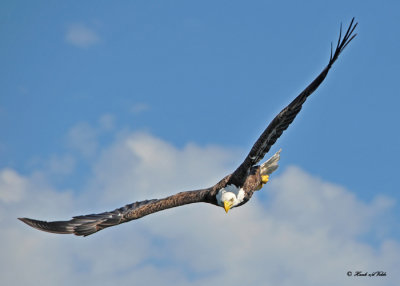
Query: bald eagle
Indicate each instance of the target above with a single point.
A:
(232, 191)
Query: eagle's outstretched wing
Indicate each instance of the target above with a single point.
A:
(282, 121)
(88, 224)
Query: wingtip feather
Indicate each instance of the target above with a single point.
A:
(343, 42)
(60, 227)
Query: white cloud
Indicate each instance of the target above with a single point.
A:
(307, 233)
(12, 186)
(81, 36)
(329, 207)
(157, 167)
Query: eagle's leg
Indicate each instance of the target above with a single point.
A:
(268, 168)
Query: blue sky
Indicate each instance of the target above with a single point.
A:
(194, 84)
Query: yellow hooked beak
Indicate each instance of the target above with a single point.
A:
(227, 206)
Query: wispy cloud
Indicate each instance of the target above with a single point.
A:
(61, 165)
(140, 108)
(107, 122)
(81, 36)
(83, 138)
(307, 232)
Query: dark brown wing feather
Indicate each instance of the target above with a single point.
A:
(282, 121)
(88, 224)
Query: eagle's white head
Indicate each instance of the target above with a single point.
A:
(229, 197)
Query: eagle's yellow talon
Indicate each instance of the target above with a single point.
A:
(264, 179)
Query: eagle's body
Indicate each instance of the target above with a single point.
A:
(232, 191)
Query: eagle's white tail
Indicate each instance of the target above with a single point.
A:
(269, 166)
